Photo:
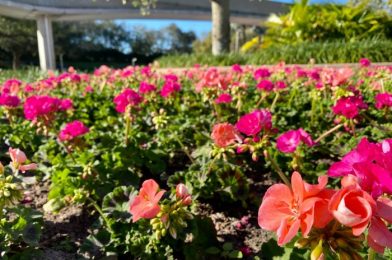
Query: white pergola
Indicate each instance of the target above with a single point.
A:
(246, 12)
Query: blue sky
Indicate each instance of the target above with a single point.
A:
(201, 28)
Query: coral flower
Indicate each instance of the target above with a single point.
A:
(289, 141)
(183, 194)
(253, 123)
(353, 207)
(145, 205)
(18, 158)
(225, 134)
(286, 210)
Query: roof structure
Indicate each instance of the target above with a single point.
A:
(246, 12)
(249, 12)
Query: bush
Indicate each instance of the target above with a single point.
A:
(378, 50)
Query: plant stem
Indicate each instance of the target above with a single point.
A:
(330, 131)
(69, 152)
(277, 168)
(99, 210)
(185, 150)
(274, 102)
(127, 127)
(372, 254)
(263, 96)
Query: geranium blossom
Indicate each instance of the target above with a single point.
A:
(349, 107)
(266, 85)
(37, 106)
(223, 98)
(72, 130)
(383, 100)
(289, 141)
(145, 205)
(127, 97)
(371, 163)
(252, 123)
(285, 210)
(19, 159)
(9, 101)
(225, 134)
(145, 88)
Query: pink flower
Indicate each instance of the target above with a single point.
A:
(66, 104)
(183, 194)
(145, 88)
(383, 100)
(9, 101)
(253, 123)
(37, 106)
(145, 205)
(286, 210)
(371, 164)
(349, 106)
(225, 134)
(236, 68)
(261, 73)
(127, 97)
(266, 85)
(18, 160)
(289, 141)
(72, 130)
(364, 62)
(280, 85)
(223, 98)
(169, 88)
(379, 235)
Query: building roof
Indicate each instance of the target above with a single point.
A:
(242, 11)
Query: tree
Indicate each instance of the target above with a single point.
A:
(220, 10)
(17, 37)
(178, 41)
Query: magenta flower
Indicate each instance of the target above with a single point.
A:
(127, 98)
(223, 98)
(37, 106)
(9, 101)
(66, 104)
(266, 85)
(72, 130)
(364, 62)
(169, 88)
(290, 140)
(237, 68)
(280, 85)
(261, 73)
(145, 88)
(383, 100)
(252, 123)
(349, 106)
(371, 163)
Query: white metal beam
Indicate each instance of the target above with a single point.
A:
(47, 59)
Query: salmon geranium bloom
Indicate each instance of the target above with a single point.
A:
(19, 159)
(224, 135)
(145, 205)
(285, 210)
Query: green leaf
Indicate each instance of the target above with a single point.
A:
(235, 254)
(227, 246)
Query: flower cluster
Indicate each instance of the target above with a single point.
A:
(170, 86)
(349, 107)
(383, 100)
(290, 140)
(325, 216)
(127, 97)
(73, 130)
(169, 215)
(9, 101)
(44, 106)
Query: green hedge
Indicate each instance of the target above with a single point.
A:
(326, 52)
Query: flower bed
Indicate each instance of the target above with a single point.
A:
(195, 165)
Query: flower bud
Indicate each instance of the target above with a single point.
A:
(1, 169)
(181, 191)
(317, 252)
(301, 243)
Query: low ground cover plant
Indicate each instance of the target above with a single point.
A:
(142, 152)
